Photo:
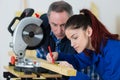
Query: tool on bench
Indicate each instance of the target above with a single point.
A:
(28, 34)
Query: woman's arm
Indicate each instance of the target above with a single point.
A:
(78, 61)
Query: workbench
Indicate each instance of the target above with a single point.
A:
(59, 70)
(11, 73)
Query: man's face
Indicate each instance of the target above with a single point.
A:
(57, 22)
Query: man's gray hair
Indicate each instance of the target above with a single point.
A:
(60, 6)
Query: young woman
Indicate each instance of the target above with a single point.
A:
(95, 46)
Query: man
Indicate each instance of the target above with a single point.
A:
(58, 13)
(53, 25)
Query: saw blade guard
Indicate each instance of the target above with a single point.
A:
(28, 34)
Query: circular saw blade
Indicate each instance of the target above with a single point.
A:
(32, 35)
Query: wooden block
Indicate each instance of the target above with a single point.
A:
(47, 75)
(29, 53)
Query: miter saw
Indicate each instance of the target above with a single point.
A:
(28, 34)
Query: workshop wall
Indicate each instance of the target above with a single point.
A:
(106, 10)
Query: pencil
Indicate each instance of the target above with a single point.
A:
(51, 54)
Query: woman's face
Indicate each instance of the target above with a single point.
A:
(80, 39)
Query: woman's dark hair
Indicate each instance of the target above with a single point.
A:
(100, 33)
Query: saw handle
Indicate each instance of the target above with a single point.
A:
(10, 25)
(26, 13)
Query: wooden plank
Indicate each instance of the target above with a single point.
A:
(50, 66)
(48, 75)
(55, 67)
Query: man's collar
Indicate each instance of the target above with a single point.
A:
(55, 38)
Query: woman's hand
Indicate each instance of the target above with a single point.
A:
(65, 63)
(54, 55)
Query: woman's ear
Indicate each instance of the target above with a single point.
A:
(89, 31)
